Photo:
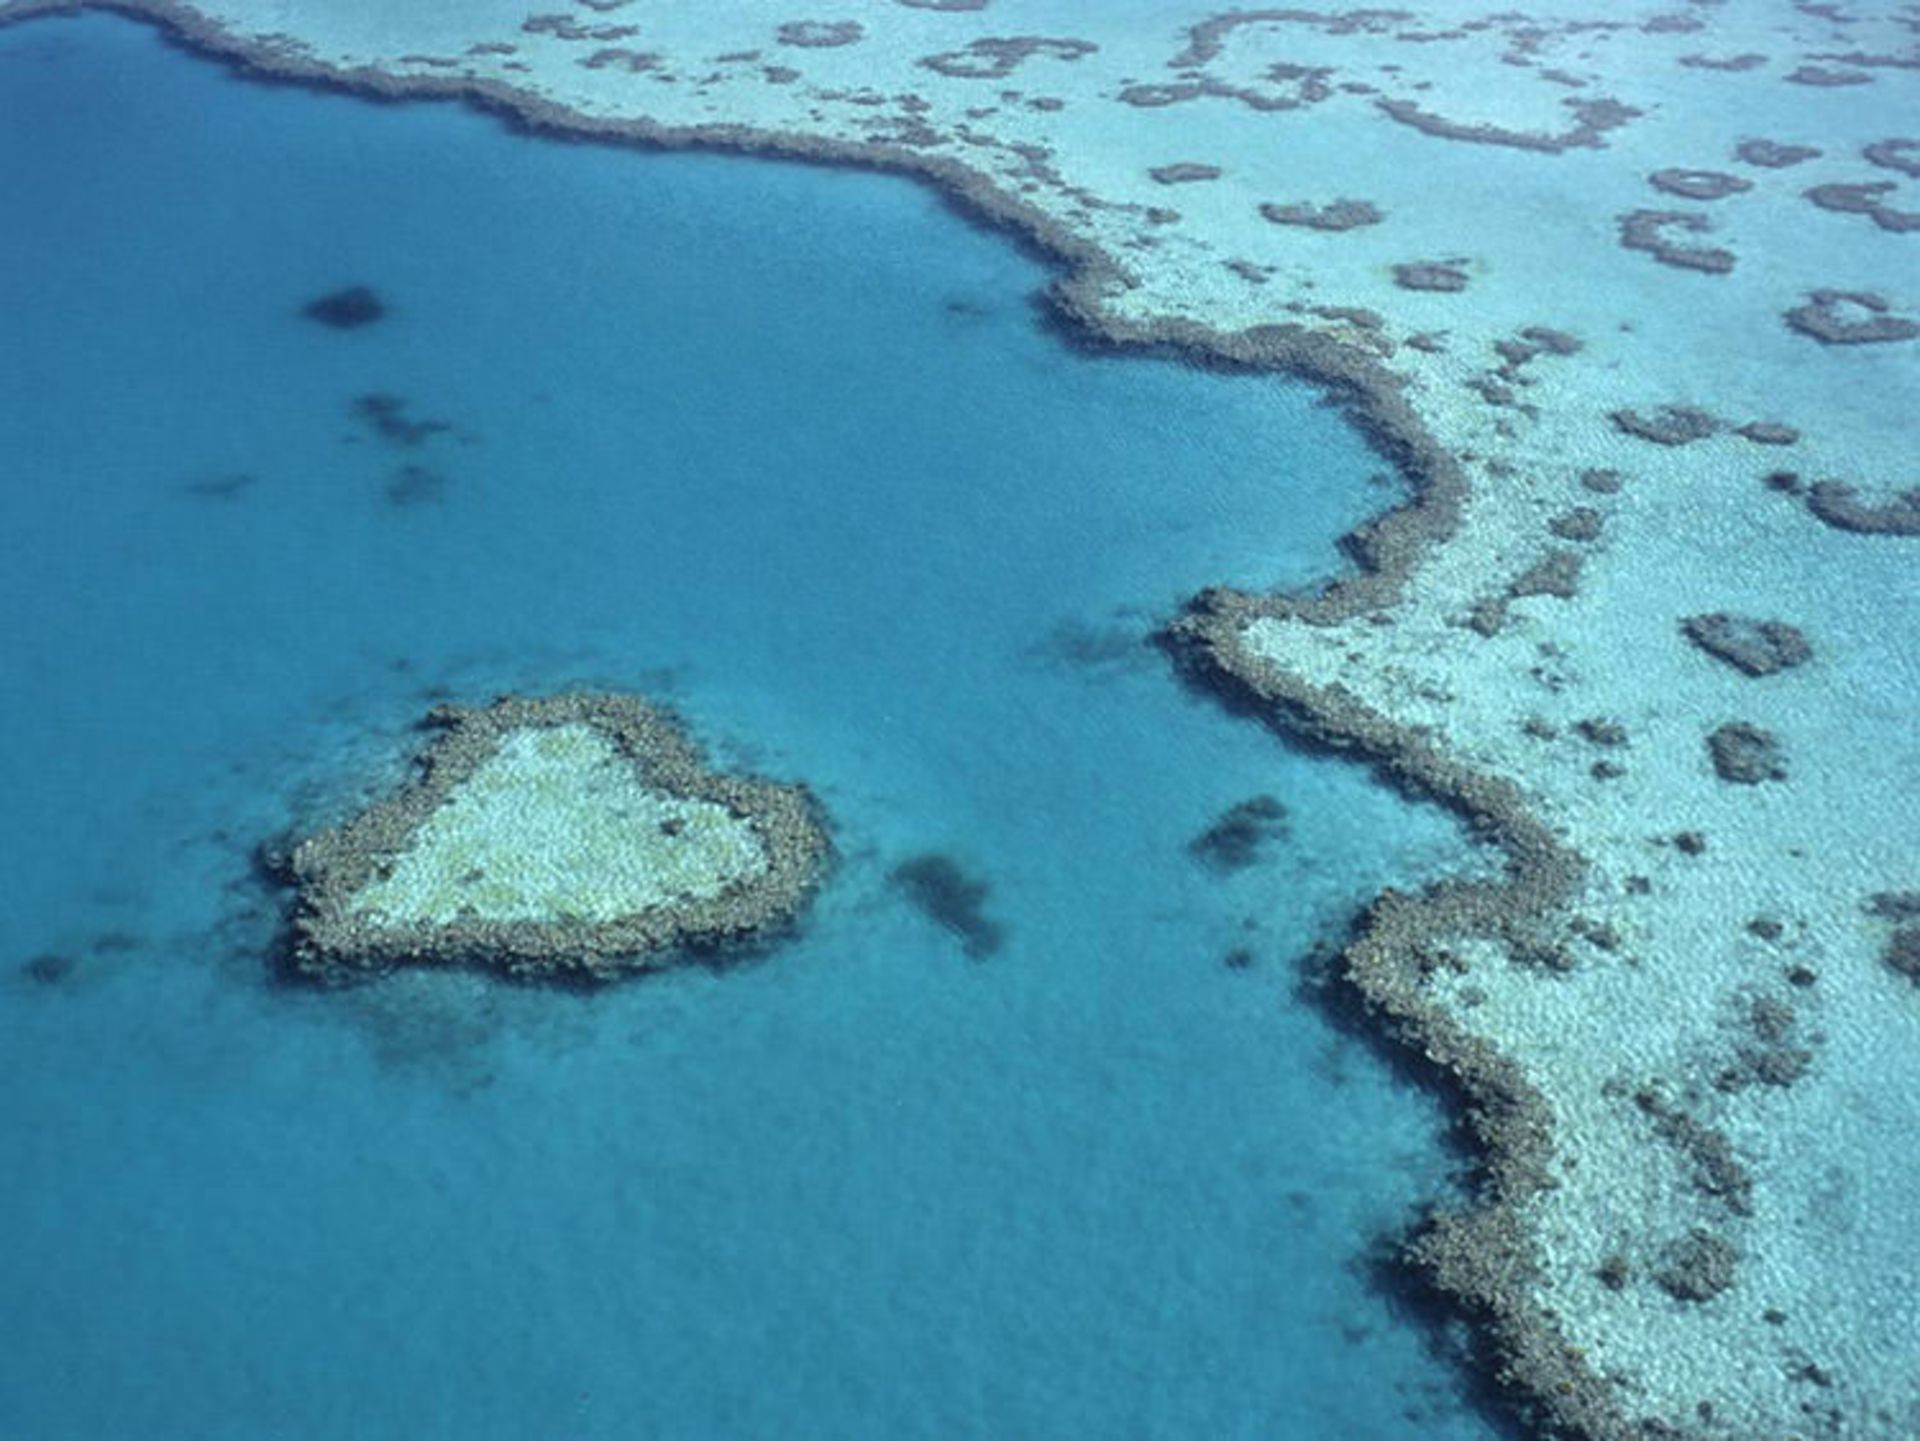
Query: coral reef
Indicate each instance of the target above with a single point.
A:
(567, 27)
(1671, 425)
(1647, 230)
(1184, 172)
(1840, 506)
(1582, 524)
(1735, 64)
(1336, 215)
(995, 58)
(1745, 754)
(1897, 153)
(1902, 952)
(1557, 573)
(819, 34)
(1430, 275)
(1698, 184)
(614, 57)
(1716, 1171)
(1290, 87)
(575, 835)
(1850, 317)
(1866, 198)
(1755, 647)
(1593, 118)
(1827, 76)
(1698, 1267)
(1774, 154)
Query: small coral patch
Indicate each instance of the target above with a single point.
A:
(577, 833)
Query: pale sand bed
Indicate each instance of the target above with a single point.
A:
(1446, 125)
(558, 823)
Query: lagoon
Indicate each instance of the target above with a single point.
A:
(796, 451)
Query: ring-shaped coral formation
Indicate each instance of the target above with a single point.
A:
(572, 835)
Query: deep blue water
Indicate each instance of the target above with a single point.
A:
(789, 448)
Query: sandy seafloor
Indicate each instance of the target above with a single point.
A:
(926, 732)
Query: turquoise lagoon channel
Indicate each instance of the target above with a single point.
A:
(791, 449)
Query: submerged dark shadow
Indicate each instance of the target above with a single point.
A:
(49, 969)
(347, 309)
(385, 415)
(221, 487)
(1105, 649)
(1239, 837)
(935, 885)
(69, 968)
(415, 485)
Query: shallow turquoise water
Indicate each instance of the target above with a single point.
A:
(789, 448)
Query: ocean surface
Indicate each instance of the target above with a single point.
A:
(793, 450)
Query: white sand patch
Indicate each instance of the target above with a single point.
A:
(555, 826)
